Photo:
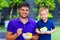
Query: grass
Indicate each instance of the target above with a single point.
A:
(55, 36)
(2, 29)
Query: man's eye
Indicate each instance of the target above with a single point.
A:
(27, 10)
(22, 9)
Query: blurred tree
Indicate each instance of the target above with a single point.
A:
(45, 3)
(9, 3)
(48, 3)
(59, 1)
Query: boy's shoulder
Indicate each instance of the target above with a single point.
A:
(50, 21)
(39, 21)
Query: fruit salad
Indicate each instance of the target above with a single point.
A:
(27, 35)
(44, 29)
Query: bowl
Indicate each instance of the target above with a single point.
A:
(43, 30)
(27, 35)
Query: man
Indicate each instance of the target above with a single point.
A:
(23, 24)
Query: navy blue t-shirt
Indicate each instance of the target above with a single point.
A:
(49, 24)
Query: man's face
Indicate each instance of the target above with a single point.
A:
(24, 12)
(43, 15)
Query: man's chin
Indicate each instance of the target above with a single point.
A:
(24, 17)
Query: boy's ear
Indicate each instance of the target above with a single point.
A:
(48, 14)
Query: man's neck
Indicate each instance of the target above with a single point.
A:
(24, 20)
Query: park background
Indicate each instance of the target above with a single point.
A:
(9, 10)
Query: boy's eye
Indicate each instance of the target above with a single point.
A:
(44, 14)
(22, 9)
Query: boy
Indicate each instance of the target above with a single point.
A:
(44, 22)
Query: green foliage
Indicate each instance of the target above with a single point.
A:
(50, 16)
(3, 4)
(44, 3)
(35, 10)
(9, 3)
(59, 1)
(49, 3)
(58, 11)
(38, 17)
(15, 16)
(8, 17)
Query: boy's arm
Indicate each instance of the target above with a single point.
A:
(53, 29)
(50, 32)
(37, 31)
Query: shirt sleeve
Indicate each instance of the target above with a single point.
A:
(10, 27)
(37, 25)
(34, 32)
(53, 26)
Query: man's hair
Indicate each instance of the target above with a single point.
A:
(24, 4)
(44, 9)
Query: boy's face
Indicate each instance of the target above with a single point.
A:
(43, 15)
(24, 12)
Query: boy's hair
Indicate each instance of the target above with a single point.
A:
(44, 9)
(24, 4)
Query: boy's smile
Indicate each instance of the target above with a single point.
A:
(44, 15)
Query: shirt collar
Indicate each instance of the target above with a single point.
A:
(44, 22)
(18, 19)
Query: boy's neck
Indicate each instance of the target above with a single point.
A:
(45, 20)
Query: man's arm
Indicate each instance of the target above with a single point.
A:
(10, 36)
(35, 37)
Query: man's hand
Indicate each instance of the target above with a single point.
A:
(19, 31)
(27, 39)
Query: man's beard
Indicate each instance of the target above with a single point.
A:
(23, 17)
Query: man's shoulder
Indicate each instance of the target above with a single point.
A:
(14, 20)
(32, 21)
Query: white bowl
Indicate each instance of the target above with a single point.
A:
(27, 35)
(43, 30)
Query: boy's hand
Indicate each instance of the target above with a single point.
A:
(19, 31)
(40, 32)
(48, 32)
(37, 30)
